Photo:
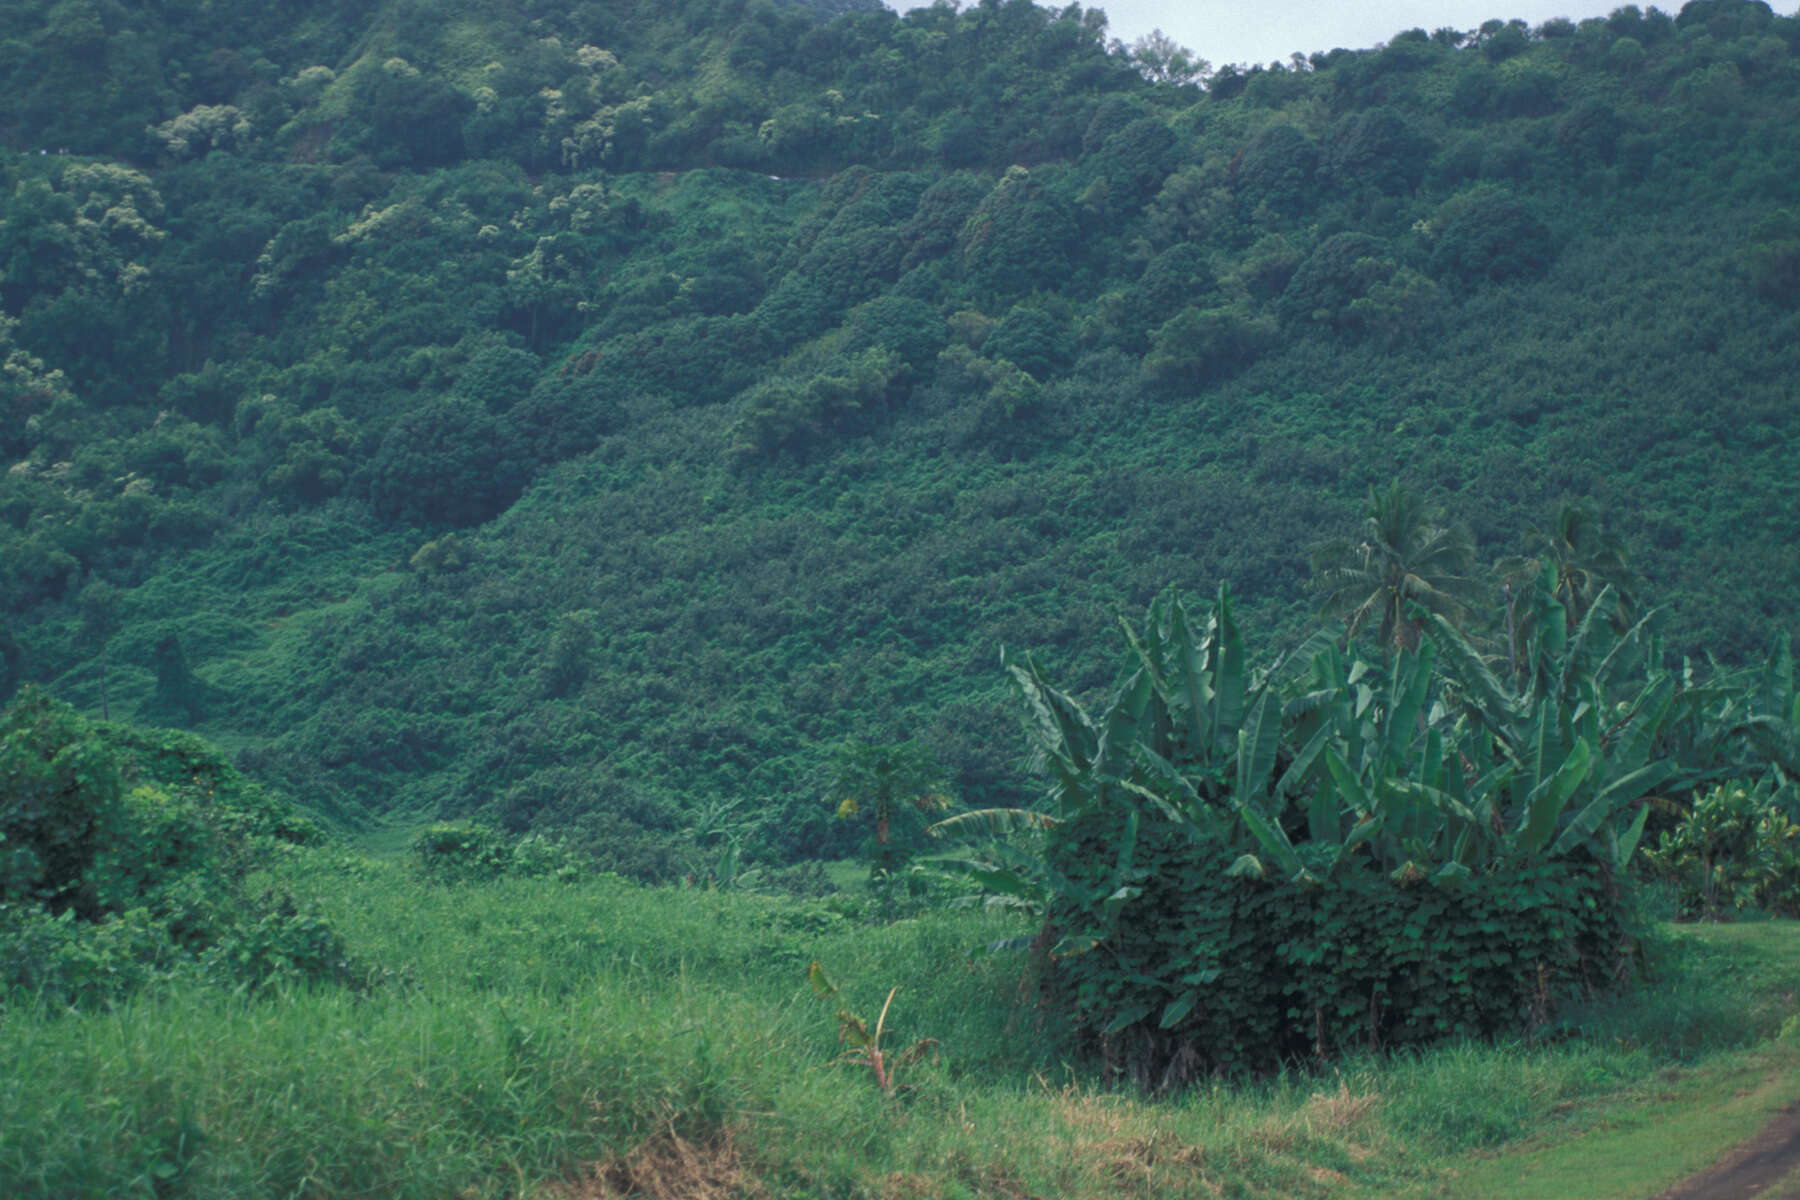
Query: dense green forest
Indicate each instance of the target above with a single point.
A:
(590, 417)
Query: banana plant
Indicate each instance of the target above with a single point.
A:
(1430, 766)
(1773, 725)
(865, 1048)
(1562, 762)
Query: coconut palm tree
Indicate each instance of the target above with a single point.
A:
(1407, 559)
(1585, 559)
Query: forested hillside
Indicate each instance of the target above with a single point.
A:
(590, 415)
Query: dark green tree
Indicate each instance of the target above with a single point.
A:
(1277, 169)
(1583, 559)
(1020, 236)
(12, 664)
(446, 462)
(1489, 235)
(180, 694)
(59, 800)
(99, 605)
(1406, 560)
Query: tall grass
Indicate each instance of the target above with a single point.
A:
(536, 1039)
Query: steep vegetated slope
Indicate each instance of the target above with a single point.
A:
(590, 414)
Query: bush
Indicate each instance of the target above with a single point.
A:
(59, 805)
(1488, 235)
(104, 890)
(1239, 872)
(1280, 971)
(283, 942)
(62, 962)
(447, 462)
(1773, 257)
(464, 852)
(459, 852)
(1733, 851)
(1334, 276)
(535, 855)
(1277, 169)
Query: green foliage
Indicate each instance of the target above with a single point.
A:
(865, 1050)
(446, 463)
(1379, 149)
(454, 852)
(1208, 971)
(1407, 561)
(1487, 235)
(1773, 257)
(890, 785)
(1020, 236)
(1134, 161)
(460, 852)
(1734, 850)
(1277, 169)
(887, 781)
(1197, 345)
(1031, 339)
(60, 786)
(1246, 867)
(108, 888)
(563, 1031)
(1338, 273)
(283, 942)
(1584, 561)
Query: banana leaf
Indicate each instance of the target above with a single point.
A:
(1258, 742)
(1545, 804)
(1611, 798)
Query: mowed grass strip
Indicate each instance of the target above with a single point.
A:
(1636, 1145)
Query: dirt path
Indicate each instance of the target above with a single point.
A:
(1751, 1169)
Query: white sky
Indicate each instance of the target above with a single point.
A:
(1261, 31)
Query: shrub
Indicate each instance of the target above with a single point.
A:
(1216, 970)
(464, 852)
(536, 855)
(104, 889)
(162, 838)
(460, 851)
(283, 942)
(448, 461)
(1334, 276)
(63, 962)
(1249, 867)
(1277, 169)
(1734, 850)
(1488, 235)
(59, 805)
(1773, 257)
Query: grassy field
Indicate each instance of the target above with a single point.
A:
(533, 1039)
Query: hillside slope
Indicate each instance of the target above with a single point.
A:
(595, 414)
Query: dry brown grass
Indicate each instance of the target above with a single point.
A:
(1338, 1112)
(667, 1167)
(1116, 1147)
